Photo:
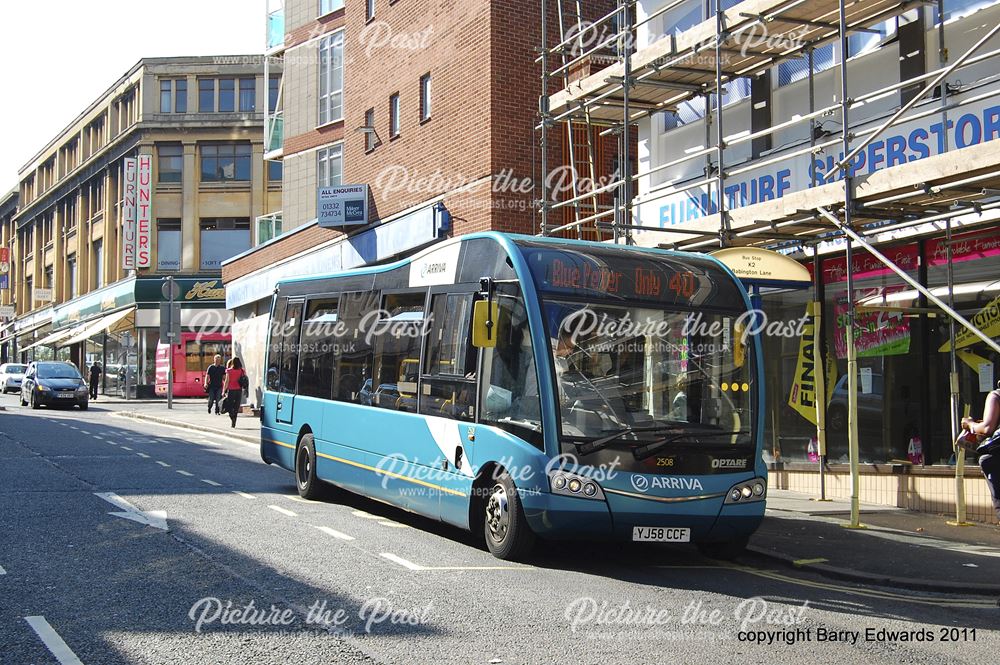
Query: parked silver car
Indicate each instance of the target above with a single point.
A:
(10, 377)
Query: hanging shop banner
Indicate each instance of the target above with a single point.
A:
(802, 397)
(143, 211)
(987, 320)
(876, 333)
(4, 268)
(130, 181)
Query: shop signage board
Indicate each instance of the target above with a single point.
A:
(987, 320)
(42, 295)
(7, 312)
(130, 184)
(143, 211)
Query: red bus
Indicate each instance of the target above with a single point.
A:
(192, 356)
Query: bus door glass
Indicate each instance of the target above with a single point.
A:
(289, 365)
(448, 386)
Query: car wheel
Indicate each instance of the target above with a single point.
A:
(24, 402)
(508, 535)
(34, 401)
(727, 550)
(84, 406)
(309, 486)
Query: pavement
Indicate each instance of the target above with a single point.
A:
(897, 547)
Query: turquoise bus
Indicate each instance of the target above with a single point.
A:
(524, 387)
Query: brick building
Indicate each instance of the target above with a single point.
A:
(431, 104)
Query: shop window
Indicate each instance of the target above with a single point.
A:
(168, 244)
(223, 238)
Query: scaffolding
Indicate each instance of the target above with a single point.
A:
(696, 64)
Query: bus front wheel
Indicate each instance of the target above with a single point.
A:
(508, 535)
(309, 486)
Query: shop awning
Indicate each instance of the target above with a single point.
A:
(28, 331)
(94, 327)
(52, 339)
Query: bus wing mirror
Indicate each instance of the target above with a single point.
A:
(484, 316)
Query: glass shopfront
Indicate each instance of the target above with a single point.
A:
(903, 348)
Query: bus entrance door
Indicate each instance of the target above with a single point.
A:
(288, 370)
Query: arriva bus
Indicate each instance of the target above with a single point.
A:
(192, 356)
(522, 386)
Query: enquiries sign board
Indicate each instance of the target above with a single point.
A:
(344, 205)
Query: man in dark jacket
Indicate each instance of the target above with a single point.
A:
(214, 376)
(95, 378)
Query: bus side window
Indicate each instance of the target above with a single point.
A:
(317, 356)
(353, 352)
(276, 334)
(449, 383)
(397, 352)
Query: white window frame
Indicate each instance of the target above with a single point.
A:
(328, 48)
(394, 115)
(425, 97)
(325, 157)
(329, 6)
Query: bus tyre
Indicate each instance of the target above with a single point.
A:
(506, 529)
(309, 486)
(727, 550)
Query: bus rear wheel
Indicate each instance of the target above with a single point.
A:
(506, 529)
(308, 485)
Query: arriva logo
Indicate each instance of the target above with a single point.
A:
(644, 484)
(739, 463)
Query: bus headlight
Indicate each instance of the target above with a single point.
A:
(748, 491)
(578, 486)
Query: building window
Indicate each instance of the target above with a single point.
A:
(248, 95)
(225, 162)
(370, 134)
(168, 244)
(180, 96)
(369, 9)
(273, 87)
(331, 79)
(173, 96)
(206, 95)
(330, 167)
(166, 95)
(327, 6)
(796, 69)
(275, 170)
(425, 97)
(227, 95)
(223, 238)
(99, 263)
(394, 115)
(170, 163)
(71, 275)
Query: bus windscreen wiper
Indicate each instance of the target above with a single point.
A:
(653, 447)
(594, 445)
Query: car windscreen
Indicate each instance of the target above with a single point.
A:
(15, 369)
(58, 371)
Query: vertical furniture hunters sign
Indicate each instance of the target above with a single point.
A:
(129, 185)
(143, 212)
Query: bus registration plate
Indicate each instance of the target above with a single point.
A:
(660, 534)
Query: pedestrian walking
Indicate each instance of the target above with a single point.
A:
(95, 378)
(987, 433)
(234, 383)
(215, 376)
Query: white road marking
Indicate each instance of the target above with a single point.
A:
(184, 473)
(294, 497)
(83, 431)
(211, 482)
(409, 565)
(98, 437)
(126, 448)
(244, 494)
(52, 641)
(154, 518)
(163, 464)
(333, 532)
(396, 525)
(367, 516)
(143, 455)
(74, 427)
(283, 511)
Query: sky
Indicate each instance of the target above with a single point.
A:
(66, 53)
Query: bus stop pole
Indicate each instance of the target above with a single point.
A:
(820, 372)
(852, 395)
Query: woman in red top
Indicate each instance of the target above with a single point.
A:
(232, 389)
